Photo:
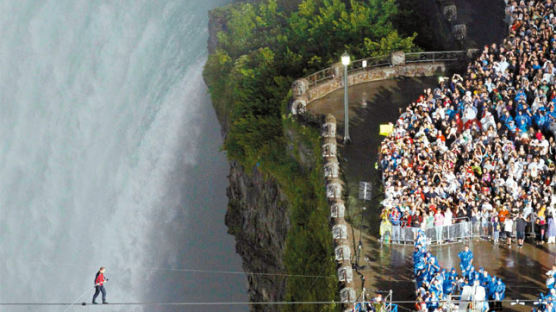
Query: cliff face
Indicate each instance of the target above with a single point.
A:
(217, 23)
(257, 217)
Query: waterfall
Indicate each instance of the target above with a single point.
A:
(109, 154)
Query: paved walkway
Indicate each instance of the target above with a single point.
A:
(522, 269)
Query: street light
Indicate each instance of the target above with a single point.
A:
(345, 61)
(361, 224)
(360, 245)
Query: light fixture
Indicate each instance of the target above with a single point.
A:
(346, 59)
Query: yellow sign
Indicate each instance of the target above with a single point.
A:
(386, 129)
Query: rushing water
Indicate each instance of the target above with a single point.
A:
(109, 155)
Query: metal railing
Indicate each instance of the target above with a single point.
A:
(456, 232)
(385, 60)
(441, 56)
(435, 235)
(370, 62)
(320, 76)
(482, 229)
(385, 305)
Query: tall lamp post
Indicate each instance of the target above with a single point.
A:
(360, 245)
(345, 61)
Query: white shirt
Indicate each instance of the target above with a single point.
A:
(487, 206)
(508, 225)
(533, 169)
(448, 217)
(544, 146)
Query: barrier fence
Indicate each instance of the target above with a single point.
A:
(385, 60)
(435, 235)
(460, 231)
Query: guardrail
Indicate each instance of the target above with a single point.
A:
(386, 60)
(443, 234)
(384, 305)
(446, 234)
(439, 56)
(320, 76)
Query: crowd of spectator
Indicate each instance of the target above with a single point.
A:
(436, 285)
(480, 147)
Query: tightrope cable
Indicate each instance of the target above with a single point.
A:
(173, 303)
(209, 303)
(76, 300)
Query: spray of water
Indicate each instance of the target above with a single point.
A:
(103, 120)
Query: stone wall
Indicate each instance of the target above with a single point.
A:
(382, 73)
(305, 93)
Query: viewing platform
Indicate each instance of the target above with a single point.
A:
(396, 65)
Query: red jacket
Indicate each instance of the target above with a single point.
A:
(100, 279)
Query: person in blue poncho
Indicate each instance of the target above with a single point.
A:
(551, 114)
(506, 117)
(485, 278)
(550, 280)
(520, 96)
(449, 283)
(499, 294)
(450, 112)
(441, 275)
(476, 276)
(431, 259)
(436, 287)
(491, 288)
(453, 273)
(420, 278)
(418, 254)
(421, 239)
(432, 301)
(429, 271)
(510, 125)
(522, 121)
(466, 260)
(546, 302)
(549, 297)
(540, 118)
(471, 274)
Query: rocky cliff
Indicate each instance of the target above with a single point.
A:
(257, 217)
(257, 214)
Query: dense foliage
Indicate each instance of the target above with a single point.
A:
(264, 48)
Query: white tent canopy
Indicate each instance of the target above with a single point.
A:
(339, 231)
(337, 210)
(345, 274)
(333, 190)
(347, 295)
(331, 169)
(343, 253)
(329, 150)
